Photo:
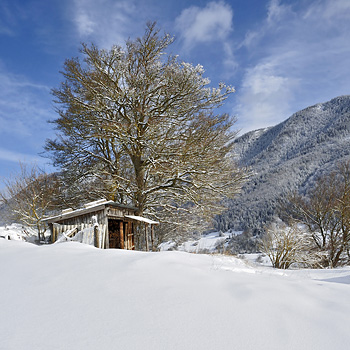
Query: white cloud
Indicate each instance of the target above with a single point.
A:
(16, 157)
(328, 10)
(24, 110)
(10, 16)
(277, 12)
(277, 15)
(24, 104)
(84, 23)
(105, 22)
(204, 25)
(229, 61)
(264, 97)
(25, 107)
(299, 57)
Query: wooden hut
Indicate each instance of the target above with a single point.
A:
(111, 224)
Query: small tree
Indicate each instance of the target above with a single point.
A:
(287, 245)
(325, 210)
(30, 196)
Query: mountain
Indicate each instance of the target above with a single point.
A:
(287, 157)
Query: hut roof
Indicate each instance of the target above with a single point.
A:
(88, 208)
(142, 219)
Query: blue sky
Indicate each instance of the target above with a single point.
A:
(281, 56)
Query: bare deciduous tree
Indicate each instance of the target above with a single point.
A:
(287, 245)
(30, 196)
(143, 123)
(325, 210)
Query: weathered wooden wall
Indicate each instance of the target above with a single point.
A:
(87, 220)
(97, 234)
(118, 213)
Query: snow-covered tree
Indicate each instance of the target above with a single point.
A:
(30, 196)
(143, 123)
(325, 210)
(287, 245)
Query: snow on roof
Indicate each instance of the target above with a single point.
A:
(140, 218)
(89, 207)
(95, 203)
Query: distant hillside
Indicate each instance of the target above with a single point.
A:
(288, 156)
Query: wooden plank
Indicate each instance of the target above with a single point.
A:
(103, 237)
(97, 236)
(54, 232)
(146, 238)
(121, 234)
(107, 240)
(152, 238)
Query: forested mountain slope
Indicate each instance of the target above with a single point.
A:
(288, 157)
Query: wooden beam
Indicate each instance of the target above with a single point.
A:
(121, 234)
(97, 236)
(146, 238)
(152, 238)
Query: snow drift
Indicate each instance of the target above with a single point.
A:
(74, 296)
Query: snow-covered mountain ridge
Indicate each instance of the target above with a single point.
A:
(287, 157)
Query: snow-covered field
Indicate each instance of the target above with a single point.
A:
(205, 243)
(74, 296)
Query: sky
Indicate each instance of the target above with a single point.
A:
(280, 55)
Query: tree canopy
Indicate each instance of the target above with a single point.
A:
(141, 126)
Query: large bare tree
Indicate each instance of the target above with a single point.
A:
(143, 124)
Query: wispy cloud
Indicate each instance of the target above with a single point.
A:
(26, 100)
(25, 108)
(204, 25)
(265, 96)
(16, 157)
(277, 12)
(10, 16)
(328, 10)
(106, 22)
(299, 52)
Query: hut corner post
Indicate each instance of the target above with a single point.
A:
(152, 238)
(97, 236)
(121, 234)
(146, 238)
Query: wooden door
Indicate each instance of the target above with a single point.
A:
(114, 233)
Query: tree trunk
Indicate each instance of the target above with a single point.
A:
(140, 183)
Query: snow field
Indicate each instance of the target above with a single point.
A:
(74, 296)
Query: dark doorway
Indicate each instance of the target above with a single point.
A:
(116, 236)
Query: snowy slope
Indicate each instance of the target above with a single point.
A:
(288, 157)
(206, 243)
(74, 296)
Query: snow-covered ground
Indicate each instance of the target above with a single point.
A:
(74, 296)
(207, 243)
(13, 232)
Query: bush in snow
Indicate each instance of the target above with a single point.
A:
(325, 211)
(287, 245)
